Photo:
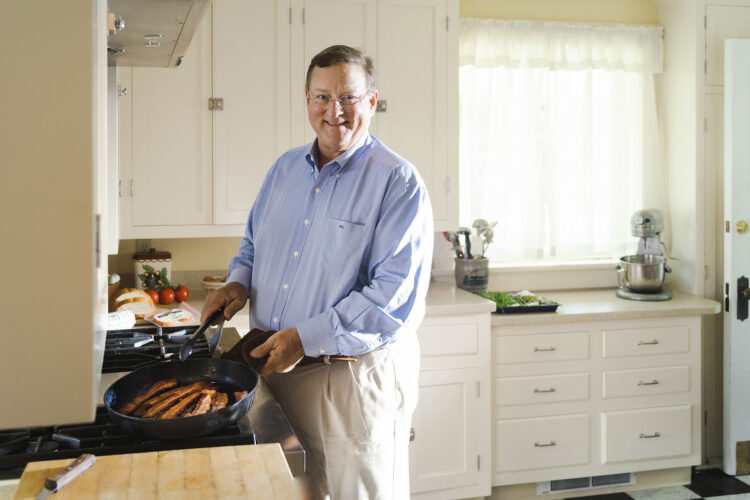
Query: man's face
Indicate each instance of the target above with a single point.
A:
(339, 127)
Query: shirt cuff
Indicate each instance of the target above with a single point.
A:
(316, 336)
(241, 275)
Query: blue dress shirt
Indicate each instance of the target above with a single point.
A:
(342, 253)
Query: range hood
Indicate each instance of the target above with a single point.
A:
(152, 32)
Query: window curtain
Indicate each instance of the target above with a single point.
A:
(558, 135)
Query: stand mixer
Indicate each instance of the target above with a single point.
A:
(641, 276)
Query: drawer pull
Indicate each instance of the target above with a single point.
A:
(651, 342)
(649, 436)
(544, 349)
(537, 444)
(653, 382)
(551, 389)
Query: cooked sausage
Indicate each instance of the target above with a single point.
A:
(175, 410)
(161, 385)
(204, 404)
(180, 393)
(220, 401)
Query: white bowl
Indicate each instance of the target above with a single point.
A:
(212, 285)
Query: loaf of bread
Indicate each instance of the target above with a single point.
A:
(135, 300)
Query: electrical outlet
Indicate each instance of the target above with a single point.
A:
(142, 245)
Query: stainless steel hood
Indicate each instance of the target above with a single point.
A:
(152, 32)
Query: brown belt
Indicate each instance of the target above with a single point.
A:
(308, 360)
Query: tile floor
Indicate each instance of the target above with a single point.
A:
(705, 484)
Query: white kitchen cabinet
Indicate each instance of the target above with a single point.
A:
(593, 398)
(187, 171)
(449, 454)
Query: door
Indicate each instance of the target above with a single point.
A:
(736, 256)
(251, 75)
(444, 453)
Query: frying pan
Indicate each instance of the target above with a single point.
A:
(230, 376)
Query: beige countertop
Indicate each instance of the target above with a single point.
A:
(602, 304)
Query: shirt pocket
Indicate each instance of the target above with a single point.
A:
(343, 246)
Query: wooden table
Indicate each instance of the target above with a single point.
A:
(247, 471)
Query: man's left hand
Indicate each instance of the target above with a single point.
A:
(284, 350)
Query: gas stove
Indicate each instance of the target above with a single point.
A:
(101, 437)
(127, 350)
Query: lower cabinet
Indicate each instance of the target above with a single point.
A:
(450, 451)
(595, 398)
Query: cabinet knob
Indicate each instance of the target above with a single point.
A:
(648, 342)
(381, 106)
(649, 436)
(653, 382)
(537, 444)
(551, 389)
(411, 434)
(544, 349)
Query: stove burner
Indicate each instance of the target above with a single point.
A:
(101, 437)
(128, 350)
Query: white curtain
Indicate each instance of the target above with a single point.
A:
(558, 135)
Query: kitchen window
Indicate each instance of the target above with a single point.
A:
(558, 136)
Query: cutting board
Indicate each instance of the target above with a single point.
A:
(248, 471)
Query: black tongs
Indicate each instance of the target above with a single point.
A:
(187, 348)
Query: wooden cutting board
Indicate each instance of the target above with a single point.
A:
(248, 471)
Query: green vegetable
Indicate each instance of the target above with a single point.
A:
(155, 280)
(503, 299)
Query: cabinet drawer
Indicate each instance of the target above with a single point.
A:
(448, 340)
(541, 348)
(643, 341)
(538, 443)
(543, 389)
(645, 381)
(646, 433)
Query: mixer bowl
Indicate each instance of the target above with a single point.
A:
(642, 273)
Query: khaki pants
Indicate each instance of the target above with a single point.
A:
(353, 419)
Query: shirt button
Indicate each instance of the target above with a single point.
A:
(307, 221)
(322, 351)
(317, 190)
(286, 286)
(296, 253)
(275, 320)
(338, 175)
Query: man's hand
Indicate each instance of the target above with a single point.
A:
(284, 350)
(232, 297)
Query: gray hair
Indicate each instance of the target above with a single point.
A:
(337, 54)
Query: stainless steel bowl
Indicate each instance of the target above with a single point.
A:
(642, 273)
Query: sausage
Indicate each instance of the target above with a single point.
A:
(175, 410)
(144, 406)
(204, 404)
(220, 401)
(178, 394)
(161, 385)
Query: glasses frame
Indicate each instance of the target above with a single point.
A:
(327, 100)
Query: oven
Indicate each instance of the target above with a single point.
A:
(125, 351)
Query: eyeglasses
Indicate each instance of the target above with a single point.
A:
(346, 101)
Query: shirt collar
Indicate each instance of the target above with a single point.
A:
(341, 160)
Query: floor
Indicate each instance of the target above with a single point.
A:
(708, 483)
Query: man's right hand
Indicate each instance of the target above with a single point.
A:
(231, 296)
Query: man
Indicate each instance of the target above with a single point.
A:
(336, 258)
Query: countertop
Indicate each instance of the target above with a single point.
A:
(602, 304)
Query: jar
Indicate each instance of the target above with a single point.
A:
(151, 261)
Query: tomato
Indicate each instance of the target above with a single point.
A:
(182, 293)
(166, 296)
(153, 294)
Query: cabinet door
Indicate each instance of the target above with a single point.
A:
(722, 22)
(418, 82)
(171, 139)
(444, 451)
(251, 75)
(326, 23)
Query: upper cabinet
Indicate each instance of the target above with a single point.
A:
(196, 141)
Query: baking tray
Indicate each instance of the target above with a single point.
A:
(527, 309)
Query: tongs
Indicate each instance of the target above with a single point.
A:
(187, 348)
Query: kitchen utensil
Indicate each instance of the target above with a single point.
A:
(215, 338)
(466, 233)
(642, 273)
(72, 471)
(187, 347)
(453, 238)
(238, 471)
(230, 376)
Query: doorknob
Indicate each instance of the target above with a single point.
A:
(743, 294)
(742, 227)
